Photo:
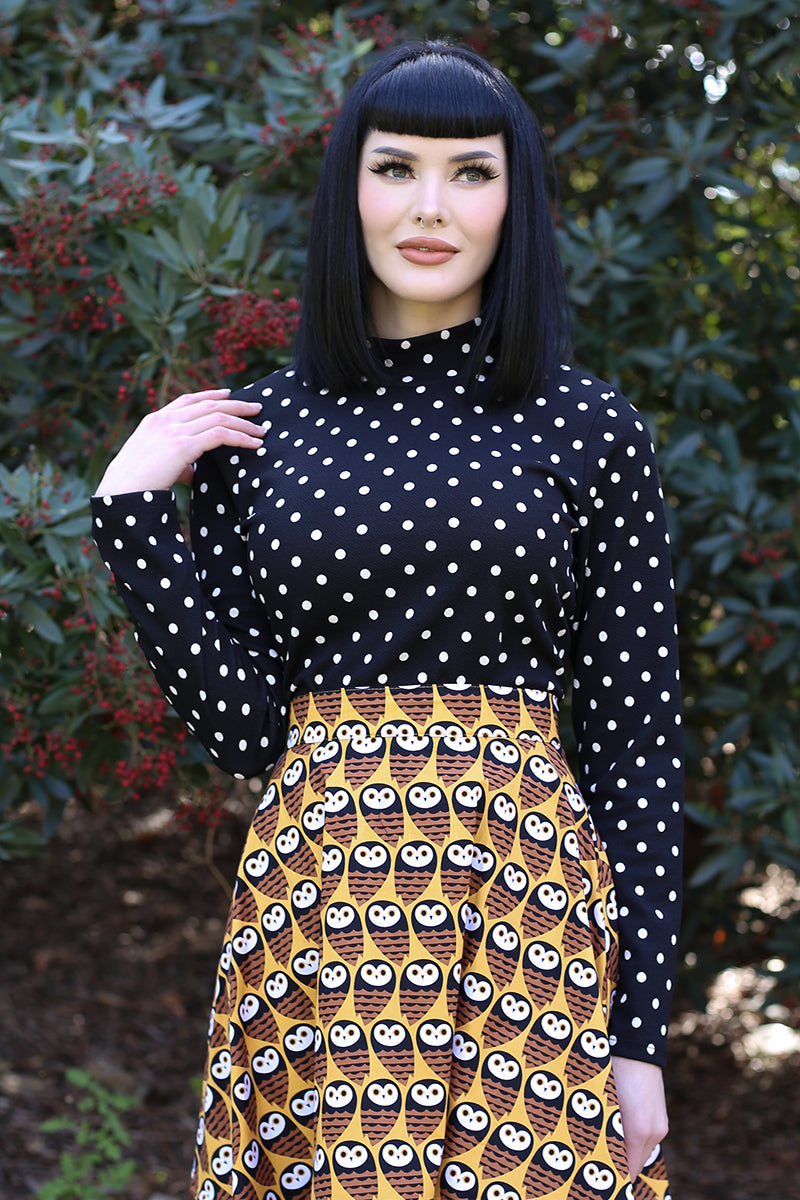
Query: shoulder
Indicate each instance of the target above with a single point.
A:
(578, 392)
(282, 387)
(600, 409)
(280, 395)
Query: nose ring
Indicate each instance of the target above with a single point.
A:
(422, 222)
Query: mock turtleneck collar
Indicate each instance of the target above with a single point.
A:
(444, 352)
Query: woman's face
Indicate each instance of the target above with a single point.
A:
(425, 276)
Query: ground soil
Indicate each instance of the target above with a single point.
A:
(109, 945)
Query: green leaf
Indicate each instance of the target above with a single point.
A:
(657, 197)
(724, 629)
(745, 798)
(193, 232)
(140, 295)
(723, 388)
(646, 170)
(73, 527)
(85, 170)
(230, 202)
(31, 613)
(55, 549)
(786, 648)
(727, 863)
(731, 732)
(716, 541)
(171, 250)
(723, 559)
(782, 615)
(573, 134)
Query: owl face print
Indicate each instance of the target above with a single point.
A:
(508, 1148)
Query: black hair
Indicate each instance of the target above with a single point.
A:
(434, 89)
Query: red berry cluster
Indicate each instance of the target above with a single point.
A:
(622, 117)
(763, 549)
(285, 139)
(133, 712)
(95, 312)
(248, 323)
(49, 257)
(35, 752)
(376, 27)
(762, 634)
(49, 238)
(35, 516)
(206, 807)
(595, 28)
(480, 37)
(621, 114)
(126, 195)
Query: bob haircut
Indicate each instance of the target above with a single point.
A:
(433, 89)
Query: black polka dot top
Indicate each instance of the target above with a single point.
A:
(414, 533)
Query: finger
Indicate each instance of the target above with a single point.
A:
(220, 435)
(176, 415)
(220, 420)
(206, 394)
(188, 410)
(224, 404)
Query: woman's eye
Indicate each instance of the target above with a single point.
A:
(476, 174)
(394, 170)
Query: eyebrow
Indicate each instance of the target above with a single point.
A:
(468, 156)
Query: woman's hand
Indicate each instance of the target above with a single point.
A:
(164, 447)
(640, 1091)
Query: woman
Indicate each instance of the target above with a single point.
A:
(444, 974)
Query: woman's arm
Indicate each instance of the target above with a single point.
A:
(198, 622)
(626, 712)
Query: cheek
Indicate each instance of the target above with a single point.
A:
(486, 220)
(492, 216)
(375, 206)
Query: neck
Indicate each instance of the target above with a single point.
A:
(393, 318)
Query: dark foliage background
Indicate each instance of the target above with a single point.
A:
(157, 164)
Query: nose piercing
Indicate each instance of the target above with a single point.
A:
(422, 222)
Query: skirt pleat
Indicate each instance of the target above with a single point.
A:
(419, 966)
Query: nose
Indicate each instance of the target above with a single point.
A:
(429, 206)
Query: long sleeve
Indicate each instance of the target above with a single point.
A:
(197, 619)
(626, 713)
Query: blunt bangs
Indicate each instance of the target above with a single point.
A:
(435, 95)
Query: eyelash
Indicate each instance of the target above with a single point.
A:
(384, 165)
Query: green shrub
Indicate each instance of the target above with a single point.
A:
(130, 271)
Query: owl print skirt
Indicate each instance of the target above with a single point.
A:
(414, 990)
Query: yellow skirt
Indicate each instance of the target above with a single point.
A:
(414, 991)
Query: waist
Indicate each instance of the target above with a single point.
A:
(436, 710)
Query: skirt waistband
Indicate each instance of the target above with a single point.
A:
(477, 710)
